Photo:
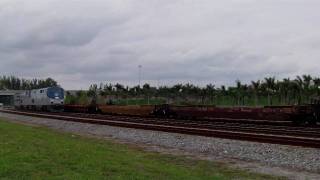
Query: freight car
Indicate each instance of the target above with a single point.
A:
(76, 108)
(307, 113)
(194, 112)
(298, 114)
(131, 110)
(302, 114)
(45, 99)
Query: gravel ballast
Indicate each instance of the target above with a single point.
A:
(290, 157)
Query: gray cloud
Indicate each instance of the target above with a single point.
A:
(205, 41)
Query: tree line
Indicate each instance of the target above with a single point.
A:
(267, 91)
(16, 83)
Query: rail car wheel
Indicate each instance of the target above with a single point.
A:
(44, 108)
(312, 123)
(312, 120)
(298, 120)
(93, 109)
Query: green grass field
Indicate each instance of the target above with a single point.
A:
(28, 152)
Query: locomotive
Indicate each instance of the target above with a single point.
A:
(52, 99)
(45, 99)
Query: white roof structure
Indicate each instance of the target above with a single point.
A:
(10, 92)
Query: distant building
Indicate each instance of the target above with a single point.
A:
(7, 97)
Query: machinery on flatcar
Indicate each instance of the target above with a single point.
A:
(131, 110)
(309, 113)
(45, 99)
(298, 114)
(194, 112)
(302, 114)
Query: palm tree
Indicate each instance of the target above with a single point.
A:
(120, 91)
(317, 85)
(270, 85)
(239, 91)
(277, 90)
(284, 89)
(245, 90)
(211, 91)
(300, 87)
(307, 79)
(256, 86)
(223, 93)
(146, 89)
(187, 91)
(93, 93)
(295, 91)
(176, 91)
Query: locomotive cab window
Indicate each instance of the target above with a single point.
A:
(55, 92)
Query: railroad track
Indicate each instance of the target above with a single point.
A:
(307, 137)
(255, 128)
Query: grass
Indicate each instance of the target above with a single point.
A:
(28, 152)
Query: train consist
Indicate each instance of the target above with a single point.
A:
(52, 99)
(309, 114)
(45, 99)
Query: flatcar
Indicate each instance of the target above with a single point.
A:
(194, 112)
(130, 110)
(298, 114)
(45, 99)
(77, 108)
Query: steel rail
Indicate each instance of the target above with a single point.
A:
(279, 130)
(263, 138)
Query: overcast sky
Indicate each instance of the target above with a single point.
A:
(79, 42)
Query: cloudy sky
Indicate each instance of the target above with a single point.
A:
(79, 42)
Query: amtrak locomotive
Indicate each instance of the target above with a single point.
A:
(45, 99)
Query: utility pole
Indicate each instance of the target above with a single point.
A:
(139, 75)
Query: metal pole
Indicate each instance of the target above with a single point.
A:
(139, 75)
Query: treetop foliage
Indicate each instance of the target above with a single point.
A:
(271, 90)
(15, 83)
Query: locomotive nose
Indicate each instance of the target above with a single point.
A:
(56, 101)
